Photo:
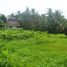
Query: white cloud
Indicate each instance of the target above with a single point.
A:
(9, 6)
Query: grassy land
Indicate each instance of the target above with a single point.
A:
(20, 48)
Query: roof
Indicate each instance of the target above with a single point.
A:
(11, 19)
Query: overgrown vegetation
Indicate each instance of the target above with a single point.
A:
(21, 48)
(52, 22)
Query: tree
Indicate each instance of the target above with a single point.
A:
(43, 22)
(55, 21)
(35, 20)
(50, 22)
(59, 21)
(3, 20)
(12, 15)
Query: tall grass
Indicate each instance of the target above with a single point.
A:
(21, 48)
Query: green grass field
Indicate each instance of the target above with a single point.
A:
(20, 48)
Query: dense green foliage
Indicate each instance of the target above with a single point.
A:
(3, 20)
(53, 22)
(21, 48)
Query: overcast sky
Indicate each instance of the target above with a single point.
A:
(12, 6)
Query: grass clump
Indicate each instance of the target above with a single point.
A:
(23, 48)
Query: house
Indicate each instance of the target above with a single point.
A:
(12, 22)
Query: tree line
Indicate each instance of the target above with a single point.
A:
(52, 22)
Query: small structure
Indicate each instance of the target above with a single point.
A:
(12, 23)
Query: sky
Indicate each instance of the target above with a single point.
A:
(12, 6)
